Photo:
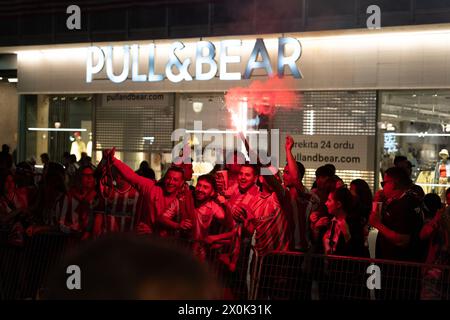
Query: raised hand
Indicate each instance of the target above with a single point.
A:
(375, 218)
(186, 224)
(107, 155)
(239, 214)
(379, 196)
(220, 183)
(289, 143)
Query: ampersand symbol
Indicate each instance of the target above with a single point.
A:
(181, 66)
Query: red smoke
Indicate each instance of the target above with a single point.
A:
(264, 97)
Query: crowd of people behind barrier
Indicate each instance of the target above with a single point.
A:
(234, 213)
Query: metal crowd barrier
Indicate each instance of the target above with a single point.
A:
(23, 269)
(276, 276)
(299, 276)
(233, 285)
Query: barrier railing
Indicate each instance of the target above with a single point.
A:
(276, 276)
(234, 284)
(23, 269)
(299, 276)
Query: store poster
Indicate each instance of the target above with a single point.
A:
(344, 152)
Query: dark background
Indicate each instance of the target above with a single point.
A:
(28, 22)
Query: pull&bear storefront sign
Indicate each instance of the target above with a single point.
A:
(205, 54)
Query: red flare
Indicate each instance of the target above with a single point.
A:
(266, 98)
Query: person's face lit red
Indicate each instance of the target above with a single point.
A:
(87, 179)
(203, 190)
(173, 181)
(247, 178)
(388, 186)
(331, 204)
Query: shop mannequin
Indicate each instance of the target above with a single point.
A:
(442, 173)
(78, 146)
(89, 145)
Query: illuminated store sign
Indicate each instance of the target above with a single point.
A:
(205, 54)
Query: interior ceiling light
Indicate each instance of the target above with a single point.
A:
(57, 129)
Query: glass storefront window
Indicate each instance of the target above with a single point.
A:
(416, 124)
(327, 118)
(138, 125)
(57, 124)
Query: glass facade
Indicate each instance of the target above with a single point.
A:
(333, 115)
(138, 125)
(55, 124)
(416, 124)
(413, 123)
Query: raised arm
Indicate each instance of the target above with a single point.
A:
(292, 164)
(138, 182)
(130, 176)
(275, 184)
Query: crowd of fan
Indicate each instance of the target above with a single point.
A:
(270, 212)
